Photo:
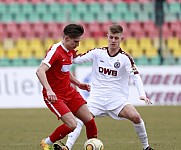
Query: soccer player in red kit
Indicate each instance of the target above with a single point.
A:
(60, 97)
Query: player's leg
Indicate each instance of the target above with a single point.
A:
(95, 110)
(86, 117)
(79, 108)
(60, 132)
(131, 113)
(64, 129)
(81, 111)
(72, 137)
(91, 129)
(68, 126)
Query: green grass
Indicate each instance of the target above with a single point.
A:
(23, 129)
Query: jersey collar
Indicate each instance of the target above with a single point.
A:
(120, 50)
(64, 47)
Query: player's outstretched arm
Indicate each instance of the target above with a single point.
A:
(139, 84)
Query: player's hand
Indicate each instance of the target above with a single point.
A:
(51, 96)
(143, 98)
(84, 86)
(75, 54)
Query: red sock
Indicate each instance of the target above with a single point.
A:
(60, 133)
(91, 129)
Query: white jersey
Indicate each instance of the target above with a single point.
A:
(110, 75)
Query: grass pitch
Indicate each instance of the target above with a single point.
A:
(23, 129)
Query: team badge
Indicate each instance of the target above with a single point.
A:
(116, 65)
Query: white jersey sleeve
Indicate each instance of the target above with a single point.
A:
(139, 84)
(134, 74)
(87, 57)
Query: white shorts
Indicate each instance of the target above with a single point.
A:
(99, 110)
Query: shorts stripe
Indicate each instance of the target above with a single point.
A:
(53, 108)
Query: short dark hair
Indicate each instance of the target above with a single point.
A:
(116, 28)
(73, 30)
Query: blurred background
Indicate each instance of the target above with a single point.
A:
(152, 31)
(29, 27)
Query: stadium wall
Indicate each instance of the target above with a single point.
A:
(20, 88)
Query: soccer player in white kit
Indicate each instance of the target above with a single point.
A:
(111, 70)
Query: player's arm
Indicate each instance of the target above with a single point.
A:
(82, 86)
(43, 80)
(139, 85)
(133, 72)
(86, 57)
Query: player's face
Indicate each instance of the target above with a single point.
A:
(72, 43)
(114, 40)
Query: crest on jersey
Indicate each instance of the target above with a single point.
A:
(116, 65)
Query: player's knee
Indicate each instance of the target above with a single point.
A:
(72, 125)
(136, 119)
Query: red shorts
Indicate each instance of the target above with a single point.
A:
(61, 107)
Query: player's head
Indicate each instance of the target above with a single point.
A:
(115, 28)
(72, 35)
(115, 35)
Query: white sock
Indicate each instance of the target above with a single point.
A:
(48, 141)
(72, 137)
(141, 132)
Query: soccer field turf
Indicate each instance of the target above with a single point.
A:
(23, 129)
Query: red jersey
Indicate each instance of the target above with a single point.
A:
(59, 59)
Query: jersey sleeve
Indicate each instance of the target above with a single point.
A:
(130, 66)
(50, 57)
(134, 74)
(86, 57)
(139, 84)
